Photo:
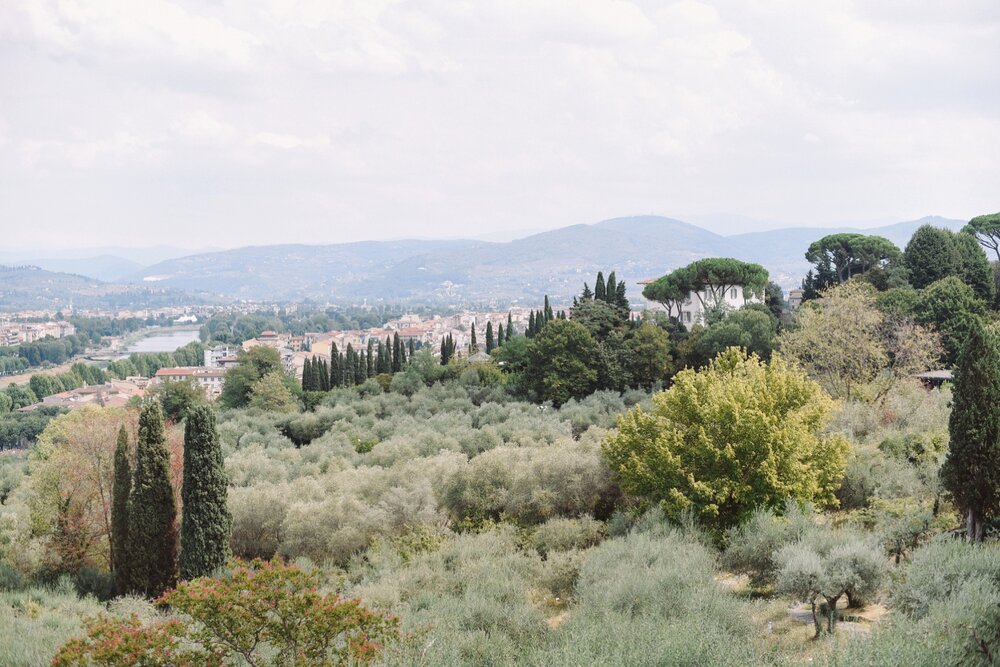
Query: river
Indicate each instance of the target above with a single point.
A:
(166, 341)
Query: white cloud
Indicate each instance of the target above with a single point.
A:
(347, 119)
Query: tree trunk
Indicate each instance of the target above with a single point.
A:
(816, 623)
(973, 527)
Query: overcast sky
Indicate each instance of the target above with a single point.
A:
(236, 122)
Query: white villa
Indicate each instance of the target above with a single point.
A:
(692, 309)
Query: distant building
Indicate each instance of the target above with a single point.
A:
(692, 309)
(794, 299)
(209, 379)
(115, 393)
(216, 357)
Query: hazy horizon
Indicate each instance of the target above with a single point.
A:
(78, 251)
(232, 124)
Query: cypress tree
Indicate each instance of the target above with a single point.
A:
(206, 524)
(120, 489)
(500, 334)
(971, 470)
(612, 288)
(620, 299)
(531, 325)
(349, 366)
(600, 291)
(370, 359)
(510, 325)
(548, 312)
(397, 353)
(411, 348)
(336, 377)
(324, 374)
(152, 533)
(473, 345)
(306, 374)
(490, 343)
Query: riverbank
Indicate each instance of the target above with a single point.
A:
(115, 351)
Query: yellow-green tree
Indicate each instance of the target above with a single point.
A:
(738, 435)
(848, 345)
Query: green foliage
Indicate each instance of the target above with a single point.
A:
(849, 255)
(271, 394)
(971, 471)
(179, 397)
(648, 355)
(849, 346)
(260, 613)
(151, 532)
(562, 362)
(120, 490)
(986, 230)
(950, 306)
(206, 522)
(738, 435)
(931, 255)
(752, 547)
(253, 365)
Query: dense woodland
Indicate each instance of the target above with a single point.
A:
(762, 488)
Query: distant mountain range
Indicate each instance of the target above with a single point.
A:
(555, 262)
(32, 288)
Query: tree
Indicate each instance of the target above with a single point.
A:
(671, 290)
(986, 230)
(510, 325)
(563, 360)
(855, 568)
(738, 435)
(974, 268)
(178, 397)
(852, 254)
(648, 349)
(599, 317)
(971, 471)
(257, 614)
(253, 364)
(152, 512)
(205, 523)
(490, 344)
(600, 289)
(949, 305)
(270, 394)
(473, 345)
(72, 470)
(931, 255)
(846, 343)
(752, 328)
(120, 490)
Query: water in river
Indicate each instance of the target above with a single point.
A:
(167, 341)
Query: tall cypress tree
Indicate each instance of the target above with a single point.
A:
(473, 345)
(206, 524)
(370, 359)
(336, 375)
(510, 325)
(397, 353)
(152, 533)
(324, 375)
(307, 375)
(620, 299)
(411, 349)
(971, 470)
(120, 490)
(530, 332)
(548, 313)
(600, 290)
(490, 343)
(612, 288)
(500, 334)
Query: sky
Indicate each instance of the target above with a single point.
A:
(223, 123)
